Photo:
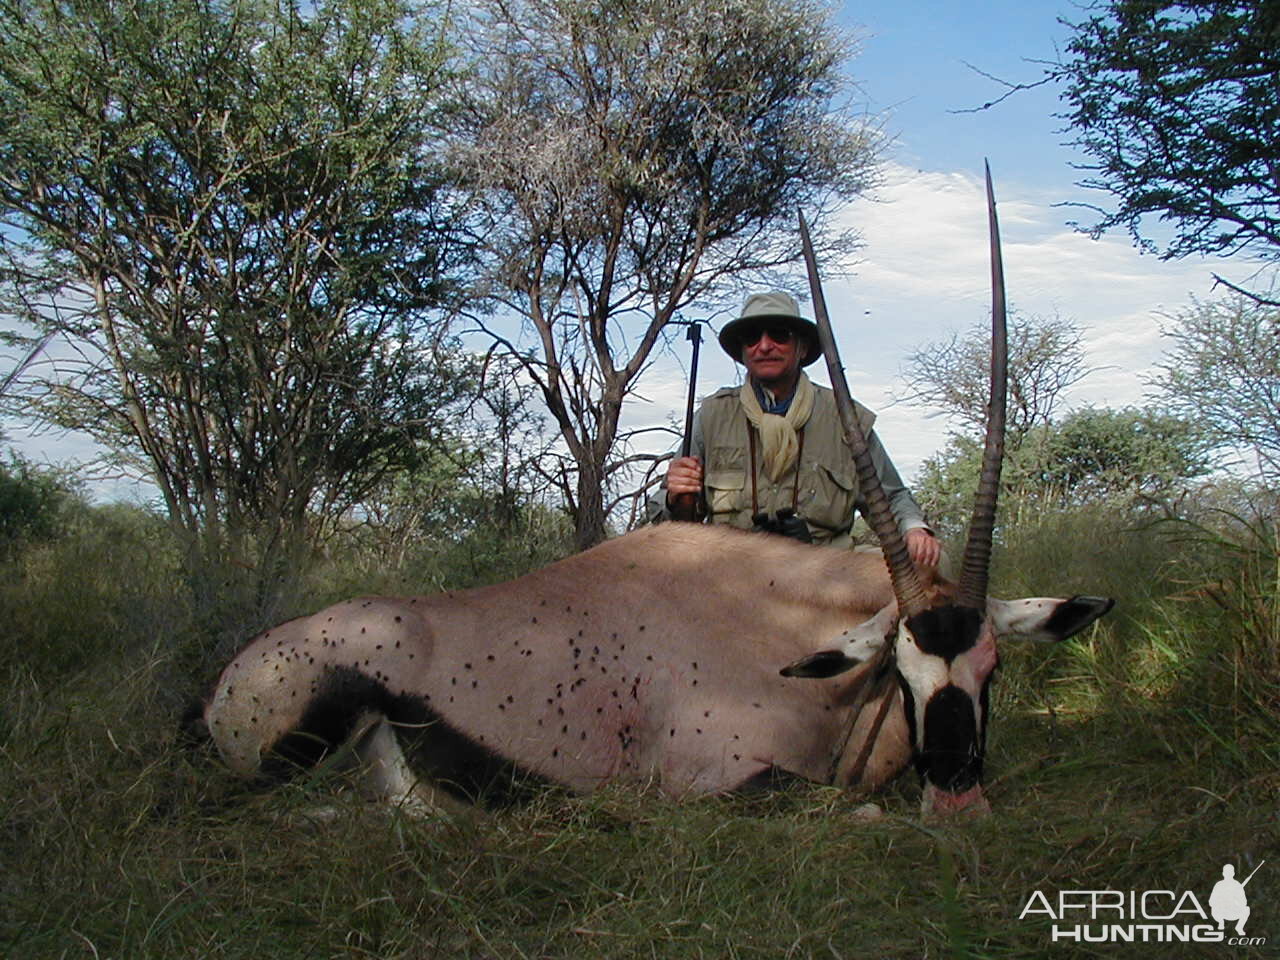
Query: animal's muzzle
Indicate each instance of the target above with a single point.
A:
(941, 803)
(950, 757)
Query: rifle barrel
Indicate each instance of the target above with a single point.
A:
(694, 335)
(1255, 870)
(689, 507)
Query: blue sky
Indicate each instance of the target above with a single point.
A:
(916, 65)
(922, 272)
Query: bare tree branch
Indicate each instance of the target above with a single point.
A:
(1260, 300)
(639, 160)
(1010, 88)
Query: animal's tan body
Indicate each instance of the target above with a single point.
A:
(654, 656)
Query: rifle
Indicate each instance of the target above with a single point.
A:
(690, 507)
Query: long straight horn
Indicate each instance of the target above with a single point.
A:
(974, 570)
(902, 572)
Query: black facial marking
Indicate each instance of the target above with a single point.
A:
(951, 758)
(946, 631)
(984, 708)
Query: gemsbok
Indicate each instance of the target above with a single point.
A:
(701, 659)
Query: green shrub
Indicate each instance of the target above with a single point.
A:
(34, 504)
(487, 551)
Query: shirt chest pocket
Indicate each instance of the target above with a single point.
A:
(725, 490)
(835, 493)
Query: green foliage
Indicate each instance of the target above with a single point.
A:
(34, 504)
(487, 473)
(472, 511)
(108, 584)
(1131, 457)
(1236, 566)
(1175, 105)
(1190, 653)
(479, 545)
(238, 213)
(1093, 453)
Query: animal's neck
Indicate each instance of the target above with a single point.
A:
(872, 695)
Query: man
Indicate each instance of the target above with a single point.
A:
(775, 447)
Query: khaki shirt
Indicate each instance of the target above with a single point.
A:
(823, 485)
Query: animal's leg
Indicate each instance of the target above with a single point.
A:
(866, 766)
(385, 773)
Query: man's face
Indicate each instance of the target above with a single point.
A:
(772, 352)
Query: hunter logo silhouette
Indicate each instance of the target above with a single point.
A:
(1228, 902)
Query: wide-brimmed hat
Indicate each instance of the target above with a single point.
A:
(762, 308)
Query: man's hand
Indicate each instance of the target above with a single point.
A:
(684, 475)
(924, 548)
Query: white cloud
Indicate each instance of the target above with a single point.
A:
(924, 274)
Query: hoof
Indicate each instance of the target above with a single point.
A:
(868, 813)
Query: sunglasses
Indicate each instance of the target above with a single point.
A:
(779, 333)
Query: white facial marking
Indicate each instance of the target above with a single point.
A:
(925, 673)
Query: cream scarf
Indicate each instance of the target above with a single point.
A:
(778, 433)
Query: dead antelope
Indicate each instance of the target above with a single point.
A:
(701, 659)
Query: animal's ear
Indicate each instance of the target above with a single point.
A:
(1046, 619)
(825, 663)
(859, 643)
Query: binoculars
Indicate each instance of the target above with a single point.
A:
(785, 522)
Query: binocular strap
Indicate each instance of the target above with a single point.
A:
(795, 490)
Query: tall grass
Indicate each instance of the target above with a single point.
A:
(110, 582)
(1140, 755)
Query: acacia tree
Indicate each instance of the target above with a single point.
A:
(1046, 357)
(1224, 372)
(229, 209)
(1177, 106)
(636, 157)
